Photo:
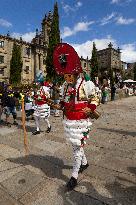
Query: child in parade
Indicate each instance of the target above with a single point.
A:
(41, 108)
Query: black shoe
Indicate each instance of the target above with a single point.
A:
(1, 121)
(15, 123)
(8, 124)
(71, 184)
(48, 129)
(32, 118)
(83, 167)
(36, 132)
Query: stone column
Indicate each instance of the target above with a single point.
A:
(37, 62)
(41, 62)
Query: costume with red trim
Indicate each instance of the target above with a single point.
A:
(75, 97)
(41, 108)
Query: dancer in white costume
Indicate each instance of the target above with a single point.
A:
(41, 108)
(76, 95)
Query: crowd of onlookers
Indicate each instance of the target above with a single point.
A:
(11, 99)
(107, 92)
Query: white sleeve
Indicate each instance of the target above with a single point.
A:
(62, 90)
(89, 88)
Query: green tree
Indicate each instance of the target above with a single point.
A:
(16, 65)
(94, 63)
(54, 39)
(134, 71)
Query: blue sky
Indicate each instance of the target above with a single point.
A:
(81, 22)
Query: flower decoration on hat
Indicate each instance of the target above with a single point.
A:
(66, 60)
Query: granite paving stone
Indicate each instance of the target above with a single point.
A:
(7, 151)
(50, 146)
(2, 158)
(21, 183)
(6, 199)
(5, 130)
(5, 174)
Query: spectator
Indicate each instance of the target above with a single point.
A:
(9, 104)
(104, 94)
(56, 97)
(113, 91)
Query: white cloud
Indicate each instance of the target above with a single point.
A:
(78, 4)
(85, 49)
(128, 52)
(107, 19)
(121, 2)
(115, 1)
(67, 8)
(80, 26)
(117, 18)
(5, 23)
(26, 36)
(124, 21)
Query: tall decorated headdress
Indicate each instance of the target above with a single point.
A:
(66, 60)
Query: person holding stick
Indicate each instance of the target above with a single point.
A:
(78, 104)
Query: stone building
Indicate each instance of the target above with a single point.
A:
(130, 70)
(108, 59)
(33, 54)
(86, 65)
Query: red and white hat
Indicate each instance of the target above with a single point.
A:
(66, 60)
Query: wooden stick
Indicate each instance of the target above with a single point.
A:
(24, 128)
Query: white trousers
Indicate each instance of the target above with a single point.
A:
(79, 158)
(37, 122)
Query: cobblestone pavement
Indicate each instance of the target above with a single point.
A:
(40, 177)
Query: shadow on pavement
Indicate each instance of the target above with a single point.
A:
(123, 195)
(124, 189)
(28, 128)
(87, 195)
(132, 170)
(51, 166)
(133, 134)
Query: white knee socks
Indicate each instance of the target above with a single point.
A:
(79, 158)
(47, 121)
(37, 120)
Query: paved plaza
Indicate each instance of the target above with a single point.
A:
(40, 177)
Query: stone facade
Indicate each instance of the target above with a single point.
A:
(33, 54)
(86, 65)
(108, 58)
(130, 70)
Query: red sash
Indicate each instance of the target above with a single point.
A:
(74, 111)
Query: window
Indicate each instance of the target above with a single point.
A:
(2, 71)
(1, 59)
(44, 62)
(26, 69)
(27, 51)
(84, 65)
(1, 44)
